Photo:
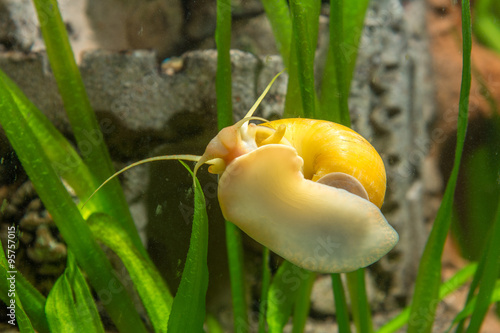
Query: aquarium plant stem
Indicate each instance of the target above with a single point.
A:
(426, 294)
(224, 119)
(83, 121)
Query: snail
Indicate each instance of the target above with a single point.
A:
(309, 190)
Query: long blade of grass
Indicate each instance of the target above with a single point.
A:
(346, 25)
(283, 292)
(71, 86)
(480, 199)
(223, 76)
(470, 306)
(472, 288)
(32, 301)
(489, 164)
(293, 101)
(64, 158)
(80, 114)
(155, 296)
(472, 291)
(486, 26)
(224, 119)
(23, 321)
(424, 303)
(354, 16)
(188, 309)
(305, 23)
(481, 267)
(12, 291)
(489, 277)
(278, 13)
(266, 281)
(303, 304)
(359, 301)
(236, 260)
(334, 85)
(70, 306)
(213, 325)
(66, 215)
(340, 304)
(455, 282)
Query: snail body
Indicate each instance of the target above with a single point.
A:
(271, 187)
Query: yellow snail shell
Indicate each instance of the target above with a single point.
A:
(271, 187)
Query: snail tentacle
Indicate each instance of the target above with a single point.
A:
(194, 158)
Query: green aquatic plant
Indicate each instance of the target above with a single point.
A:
(105, 219)
(486, 25)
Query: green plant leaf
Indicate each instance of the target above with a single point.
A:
(341, 310)
(472, 287)
(70, 306)
(334, 85)
(481, 199)
(353, 21)
(236, 275)
(346, 26)
(83, 121)
(278, 13)
(225, 119)
(303, 303)
(71, 87)
(188, 308)
(485, 24)
(223, 75)
(10, 277)
(455, 282)
(213, 325)
(28, 300)
(424, 303)
(63, 157)
(488, 278)
(23, 321)
(284, 290)
(266, 281)
(305, 23)
(359, 301)
(151, 287)
(471, 305)
(293, 101)
(487, 170)
(65, 214)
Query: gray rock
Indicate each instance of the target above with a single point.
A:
(18, 24)
(322, 296)
(119, 25)
(128, 88)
